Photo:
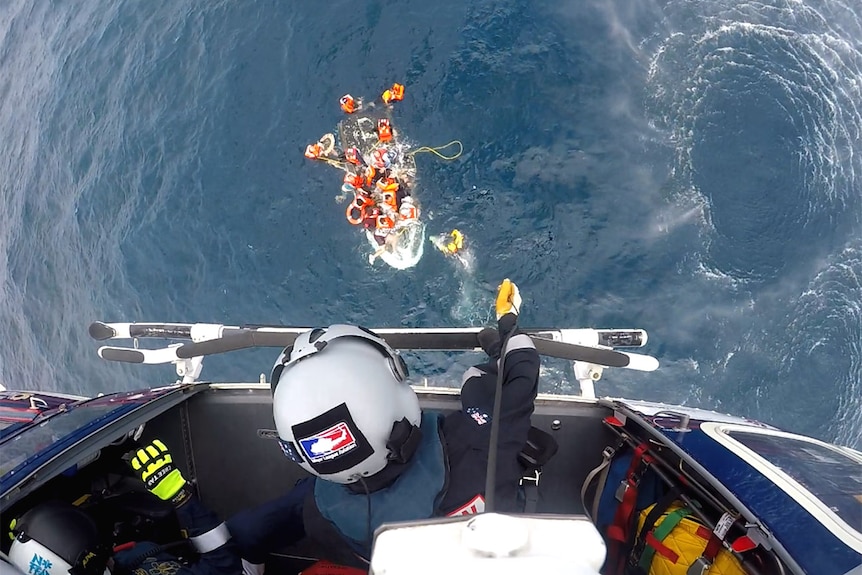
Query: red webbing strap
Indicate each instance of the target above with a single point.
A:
(618, 531)
(713, 546)
(660, 548)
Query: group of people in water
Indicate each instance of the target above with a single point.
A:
(381, 201)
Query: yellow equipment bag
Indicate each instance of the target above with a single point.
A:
(677, 541)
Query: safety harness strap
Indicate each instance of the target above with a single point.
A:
(530, 484)
(211, 540)
(602, 472)
(702, 564)
(620, 531)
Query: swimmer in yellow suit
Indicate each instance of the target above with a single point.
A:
(450, 244)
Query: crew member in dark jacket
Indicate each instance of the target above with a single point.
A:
(346, 414)
(57, 537)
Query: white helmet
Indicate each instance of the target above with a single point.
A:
(342, 405)
(7, 568)
(57, 538)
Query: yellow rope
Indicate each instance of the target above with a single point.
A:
(331, 162)
(436, 151)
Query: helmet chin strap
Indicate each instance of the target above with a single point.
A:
(402, 444)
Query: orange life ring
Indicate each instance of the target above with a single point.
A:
(355, 214)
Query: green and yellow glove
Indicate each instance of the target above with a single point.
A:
(154, 465)
(508, 298)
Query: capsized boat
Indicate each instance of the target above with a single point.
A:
(601, 475)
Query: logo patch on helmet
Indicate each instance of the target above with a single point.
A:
(329, 443)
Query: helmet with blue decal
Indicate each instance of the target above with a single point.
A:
(343, 407)
(56, 538)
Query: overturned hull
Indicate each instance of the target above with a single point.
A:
(407, 249)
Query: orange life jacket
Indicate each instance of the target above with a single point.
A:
(384, 130)
(395, 93)
(408, 212)
(370, 172)
(384, 222)
(348, 104)
(355, 180)
(313, 151)
(385, 185)
(389, 200)
(352, 155)
(381, 158)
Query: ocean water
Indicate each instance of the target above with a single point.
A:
(693, 168)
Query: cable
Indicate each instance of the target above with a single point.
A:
(368, 533)
(491, 472)
(436, 151)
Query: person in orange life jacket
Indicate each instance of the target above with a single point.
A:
(387, 189)
(354, 156)
(370, 220)
(407, 212)
(346, 414)
(384, 226)
(384, 130)
(388, 231)
(401, 190)
(68, 538)
(382, 158)
(348, 104)
(393, 94)
(357, 181)
(314, 151)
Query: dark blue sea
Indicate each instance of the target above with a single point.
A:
(690, 167)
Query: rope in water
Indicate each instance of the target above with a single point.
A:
(436, 151)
